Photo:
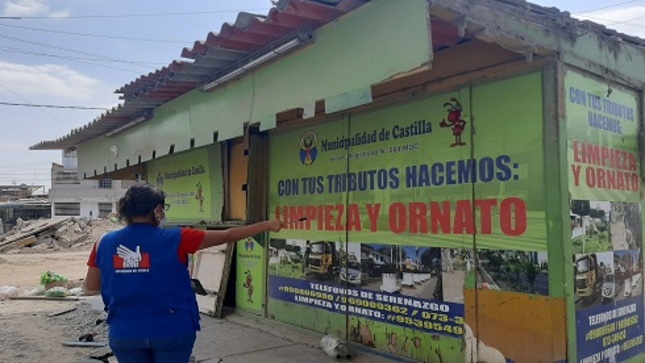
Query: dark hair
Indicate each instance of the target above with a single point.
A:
(139, 201)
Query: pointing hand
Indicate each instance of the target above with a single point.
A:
(275, 225)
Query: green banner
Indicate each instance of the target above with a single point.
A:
(386, 210)
(186, 180)
(605, 218)
(411, 174)
(602, 129)
(250, 275)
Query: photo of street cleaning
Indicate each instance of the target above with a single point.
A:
(590, 226)
(628, 274)
(454, 265)
(608, 262)
(626, 226)
(322, 261)
(599, 277)
(406, 270)
(517, 271)
(287, 258)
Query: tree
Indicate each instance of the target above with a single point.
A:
(515, 267)
(531, 271)
(431, 258)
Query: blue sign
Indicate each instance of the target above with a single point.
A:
(432, 316)
(610, 333)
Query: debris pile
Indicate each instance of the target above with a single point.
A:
(55, 234)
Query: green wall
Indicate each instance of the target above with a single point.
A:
(295, 81)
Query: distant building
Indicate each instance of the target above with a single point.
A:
(15, 192)
(369, 253)
(71, 196)
(19, 201)
(25, 209)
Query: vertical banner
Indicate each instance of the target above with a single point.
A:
(605, 218)
(186, 180)
(250, 275)
(391, 202)
(510, 314)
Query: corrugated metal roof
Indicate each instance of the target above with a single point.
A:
(220, 51)
(252, 32)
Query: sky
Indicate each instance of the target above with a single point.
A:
(78, 52)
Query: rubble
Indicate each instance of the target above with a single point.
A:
(82, 320)
(54, 234)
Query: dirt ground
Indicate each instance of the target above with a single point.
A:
(23, 270)
(27, 331)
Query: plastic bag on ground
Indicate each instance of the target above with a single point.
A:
(7, 292)
(57, 291)
(335, 348)
(50, 279)
(77, 291)
(38, 291)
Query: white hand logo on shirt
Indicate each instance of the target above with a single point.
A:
(131, 259)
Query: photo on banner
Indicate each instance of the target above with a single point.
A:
(629, 274)
(596, 276)
(456, 263)
(397, 284)
(626, 226)
(591, 225)
(517, 271)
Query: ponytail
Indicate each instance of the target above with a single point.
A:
(139, 201)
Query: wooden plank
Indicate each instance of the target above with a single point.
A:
(20, 243)
(224, 282)
(212, 267)
(238, 167)
(258, 177)
(86, 344)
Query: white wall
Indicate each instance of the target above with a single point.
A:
(88, 194)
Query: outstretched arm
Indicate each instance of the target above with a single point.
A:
(215, 238)
(92, 282)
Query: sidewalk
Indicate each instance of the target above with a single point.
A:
(246, 338)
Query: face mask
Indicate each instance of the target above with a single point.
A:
(162, 221)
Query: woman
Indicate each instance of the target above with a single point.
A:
(141, 272)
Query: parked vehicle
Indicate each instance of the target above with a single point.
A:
(588, 277)
(608, 288)
(323, 258)
(351, 273)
